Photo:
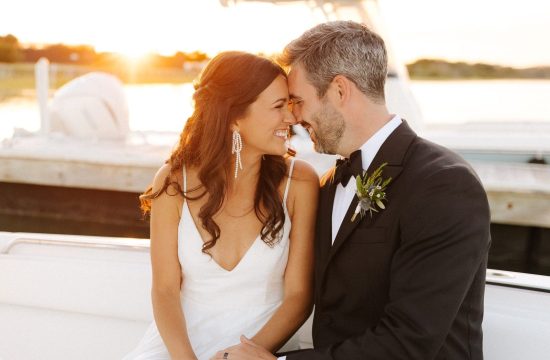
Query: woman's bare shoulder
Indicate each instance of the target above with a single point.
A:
(304, 186)
(304, 191)
(165, 175)
(160, 177)
(304, 172)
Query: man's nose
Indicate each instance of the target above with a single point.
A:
(290, 118)
(296, 114)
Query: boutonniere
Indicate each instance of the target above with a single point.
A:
(371, 191)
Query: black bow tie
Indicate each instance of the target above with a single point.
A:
(346, 168)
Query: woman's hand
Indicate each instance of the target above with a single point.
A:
(246, 350)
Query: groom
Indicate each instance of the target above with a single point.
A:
(406, 279)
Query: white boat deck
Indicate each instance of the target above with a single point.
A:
(81, 297)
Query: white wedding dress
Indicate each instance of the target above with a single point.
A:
(220, 305)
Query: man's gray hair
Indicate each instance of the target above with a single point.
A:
(340, 48)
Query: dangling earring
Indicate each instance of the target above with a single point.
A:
(236, 149)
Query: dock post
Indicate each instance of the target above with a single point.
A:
(42, 82)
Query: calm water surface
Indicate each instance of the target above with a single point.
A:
(495, 100)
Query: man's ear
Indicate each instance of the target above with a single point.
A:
(342, 88)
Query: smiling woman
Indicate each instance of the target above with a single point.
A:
(231, 241)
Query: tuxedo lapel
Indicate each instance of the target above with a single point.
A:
(325, 216)
(392, 152)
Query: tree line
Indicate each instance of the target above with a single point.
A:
(441, 69)
(11, 51)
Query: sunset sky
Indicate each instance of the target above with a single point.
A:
(507, 32)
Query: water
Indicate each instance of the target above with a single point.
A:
(487, 101)
(161, 107)
(165, 107)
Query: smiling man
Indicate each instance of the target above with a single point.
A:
(400, 263)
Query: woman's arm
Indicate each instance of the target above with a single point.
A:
(298, 283)
(167, 277)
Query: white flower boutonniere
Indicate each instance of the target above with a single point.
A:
(371, 191)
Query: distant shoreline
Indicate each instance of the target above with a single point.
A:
(20, 75)
(419, 78)
(16, 60)
(433, 69)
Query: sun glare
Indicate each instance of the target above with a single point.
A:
(134, 56)
(262, 26)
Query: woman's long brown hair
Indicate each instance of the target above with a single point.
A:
(227, 86)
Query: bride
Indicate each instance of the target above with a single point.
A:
(232, 219)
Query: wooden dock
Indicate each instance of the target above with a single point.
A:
(61, 185)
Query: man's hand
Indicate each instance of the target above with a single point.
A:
(246, 350)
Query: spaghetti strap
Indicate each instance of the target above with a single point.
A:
(244, 307)
(184, 180)
(288, 181)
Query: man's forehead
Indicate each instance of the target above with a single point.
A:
(296, 72)
(296, 81)
(292, 76)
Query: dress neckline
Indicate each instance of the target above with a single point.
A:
(250, 247)
(253, 244)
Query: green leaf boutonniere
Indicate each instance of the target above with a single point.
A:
(371, 191)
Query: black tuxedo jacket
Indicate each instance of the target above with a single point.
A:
(408, 282)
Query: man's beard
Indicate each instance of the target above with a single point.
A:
(330, 129)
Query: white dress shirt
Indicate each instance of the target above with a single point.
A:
(344, 195)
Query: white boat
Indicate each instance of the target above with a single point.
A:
(86, 158)
(85, 297)
(82, 297)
